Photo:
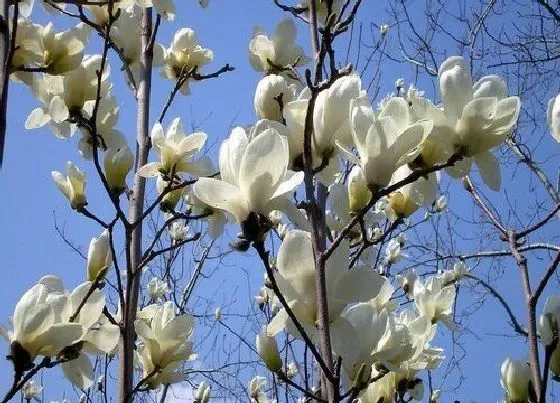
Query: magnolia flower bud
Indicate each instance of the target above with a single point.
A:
(436, 394)
(383, 29)
(73, 186)
(358, 191)
(292, 370)
(399, 84)
(118, 163)
(268, 351)
(202, 394)
(440, 204)
(554, 117)
(555, 363)
(156, 288)
(171, 198)
(256, 385)
(549, 321)
(272, 93)
(515, 378)
(331, 115)
(99, 256)
(218, 313)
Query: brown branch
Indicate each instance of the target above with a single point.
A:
(513, 320)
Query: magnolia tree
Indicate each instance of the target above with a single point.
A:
(339, 183)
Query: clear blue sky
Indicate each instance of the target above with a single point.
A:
(29, 200)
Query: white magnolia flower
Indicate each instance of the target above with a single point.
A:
(455, 274)
(553, 115)
(31, 391)
(393, 252)
(267, 348)
(404, 347)
(274, 55)
(106, 118)
(367, 326)
(272, 92)
(331, 115)
(63, 95)
(178, 230)
(515, 378)
(407, 282)
(72, 186)
(173, 148)
(475, 119)
(156, 288)
(38, 325)
(440, 204)
(410, 197)
(164, 345)
(291, 370)
(435, 300)
(256, 388)
(185, 55)
(383, 29)
(384, 142)
(28, 41)
(100, 256)
(118, 163)
(254, 176)
(202, 394)
(296, 279)
(62, 52)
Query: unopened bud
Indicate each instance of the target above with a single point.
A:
(268, 351)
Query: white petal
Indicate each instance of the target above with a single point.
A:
(58, 110)
(37, 118)
(455, 84)
(291, 181)
(263, 166)
(295, 262)
(359, 284)
(79, 371)
(223, 196)
(489, 169)
(92, 308)
(103, 340)
(150, 170)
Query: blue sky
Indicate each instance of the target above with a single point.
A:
(30, 202)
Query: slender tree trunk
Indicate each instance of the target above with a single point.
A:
(328, 391)
(4, 72)
(134, 233)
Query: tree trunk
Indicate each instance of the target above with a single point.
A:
(134, 234)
